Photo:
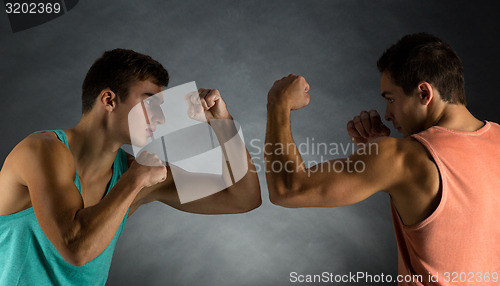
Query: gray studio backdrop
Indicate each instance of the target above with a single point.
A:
(241, 48)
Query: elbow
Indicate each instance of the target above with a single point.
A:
(285, 190)
(78, 261)
(253, 205)
(245, 194)
(275, 200)
(275, 195)
(256, 200)
(74, 250)
(74, 255)
(281, 196)
(252, 202)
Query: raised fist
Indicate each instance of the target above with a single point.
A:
(290, 91)
(206, 104)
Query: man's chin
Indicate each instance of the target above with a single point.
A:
(139, 143)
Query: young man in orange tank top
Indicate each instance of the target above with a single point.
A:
(423, 84)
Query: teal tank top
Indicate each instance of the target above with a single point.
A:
(27, 257)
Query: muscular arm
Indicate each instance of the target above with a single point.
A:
(79, 233)
(328, 184)
(401, 167)
(242, 196)
(332, 183)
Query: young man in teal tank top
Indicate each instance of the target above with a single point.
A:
(65, 195)
(444, 208)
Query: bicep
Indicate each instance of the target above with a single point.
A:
(350, 180)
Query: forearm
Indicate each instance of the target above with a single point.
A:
(94, 227)
(285, 169)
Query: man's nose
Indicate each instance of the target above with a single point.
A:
(158, 118)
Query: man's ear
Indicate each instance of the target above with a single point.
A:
(425, 92)
(108, 99)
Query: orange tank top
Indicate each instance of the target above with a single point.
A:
(459, 243)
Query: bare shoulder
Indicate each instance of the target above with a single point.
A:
(406, 151)
(29, 162)
(40, 143)
(40, 151)
(405, 160)
(386, 154)
(417, 158)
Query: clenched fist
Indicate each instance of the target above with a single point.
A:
(366, 127)
(290, 91)
(148, 169)
(206, 104)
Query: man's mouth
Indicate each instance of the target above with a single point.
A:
(150, 131)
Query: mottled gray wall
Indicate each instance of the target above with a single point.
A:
(241, 47)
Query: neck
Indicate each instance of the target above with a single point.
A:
(456, 117)
(92, 145)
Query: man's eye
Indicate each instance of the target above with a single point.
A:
(390, 100)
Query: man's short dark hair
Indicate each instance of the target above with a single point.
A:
(423, 57)
(117, 70)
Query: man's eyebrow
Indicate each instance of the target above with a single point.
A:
(151, 94)
(385, 93)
